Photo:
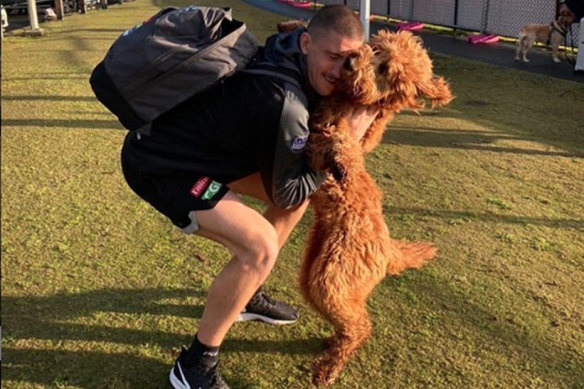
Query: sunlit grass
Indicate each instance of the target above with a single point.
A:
(99, 291)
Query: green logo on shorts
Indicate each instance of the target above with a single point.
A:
(211, 191)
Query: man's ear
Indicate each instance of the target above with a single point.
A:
(305, 41)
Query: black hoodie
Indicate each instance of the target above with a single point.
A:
(577, 7)
(244, 124)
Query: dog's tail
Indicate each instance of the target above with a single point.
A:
(411, 255)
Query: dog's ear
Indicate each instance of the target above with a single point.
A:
(291, 25)
(437, 91)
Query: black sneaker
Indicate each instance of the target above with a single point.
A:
(195, 377)
(262, 307)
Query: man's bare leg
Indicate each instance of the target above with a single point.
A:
(283, 220)
(254, 240)
(254, 243)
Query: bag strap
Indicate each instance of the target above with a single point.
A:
(268, 69)
(273, 73)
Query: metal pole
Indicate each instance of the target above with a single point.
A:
(486, 17)
(32, 15)
(456, 12)
(59, 9)
(412, 5)
(365, 12)
(34, 20)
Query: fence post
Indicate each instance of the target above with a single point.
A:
(455, 13)
(412, 5)
(485, 16)
(365, 12)
(4, 20)
(59, 9)
(34, 20)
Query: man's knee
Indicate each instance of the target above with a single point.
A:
(260, 251)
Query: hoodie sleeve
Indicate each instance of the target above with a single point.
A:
(291, 181)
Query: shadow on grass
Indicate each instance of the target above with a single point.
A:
(97, 124)
(465, 140)
(540, 125)
(532, 345)
(49, 98)
(577, 224)
(45, 78)
(46, 318)
(67, 33)
(82, 369)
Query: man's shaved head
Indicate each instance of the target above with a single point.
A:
(338, 18)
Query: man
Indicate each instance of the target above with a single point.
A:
(244, 136)
(571, 10)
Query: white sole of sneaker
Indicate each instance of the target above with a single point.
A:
(176, 383)
(245, 316)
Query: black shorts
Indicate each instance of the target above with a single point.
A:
(176, 197)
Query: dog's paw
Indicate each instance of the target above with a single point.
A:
(557, 60)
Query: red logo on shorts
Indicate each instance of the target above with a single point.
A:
(200, 186)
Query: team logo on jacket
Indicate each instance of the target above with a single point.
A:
(299, 142)
(205, 188)
(211, 191)
(200, 186)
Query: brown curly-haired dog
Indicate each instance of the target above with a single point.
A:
(349, 249)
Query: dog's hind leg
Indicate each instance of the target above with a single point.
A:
(518, 51)
(526, 44)
(352, 328)
(311, 253)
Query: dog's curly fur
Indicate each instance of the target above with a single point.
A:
(349, 249)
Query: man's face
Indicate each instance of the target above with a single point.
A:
(325, 55)
(566, 16)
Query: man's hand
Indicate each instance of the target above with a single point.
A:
(360, 119)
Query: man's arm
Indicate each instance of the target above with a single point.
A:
(293, 181)
(288, 179)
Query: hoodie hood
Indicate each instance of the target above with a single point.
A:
(284, 51)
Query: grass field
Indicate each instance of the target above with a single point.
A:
(99, 291)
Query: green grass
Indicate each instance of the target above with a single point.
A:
(99, 291)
